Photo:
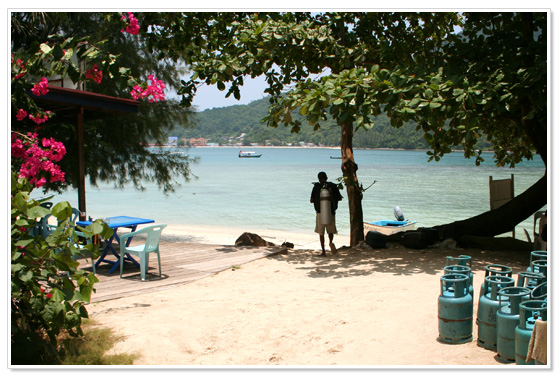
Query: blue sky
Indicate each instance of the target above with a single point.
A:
(208, 97)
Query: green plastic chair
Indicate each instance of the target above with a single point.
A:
(143, 251)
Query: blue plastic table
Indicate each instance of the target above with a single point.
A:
(115, 223)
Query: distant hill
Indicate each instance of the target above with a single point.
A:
(242, 123)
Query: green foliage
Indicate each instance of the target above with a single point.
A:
(115, 146)
(48, 289)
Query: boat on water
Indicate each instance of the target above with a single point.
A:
(335, 157)
(389, 227)
(249, 154)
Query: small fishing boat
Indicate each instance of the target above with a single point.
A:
(335, 157)
(389, 227)
(249, 154)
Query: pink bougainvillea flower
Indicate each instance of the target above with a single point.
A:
(38, 119)
(153, 91)
(40, 183)
(38, 161)
(133, 27)
(41, 88)
(21, 115)
(95, 74)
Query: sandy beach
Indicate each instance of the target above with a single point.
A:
(228, 235)
(360, 308)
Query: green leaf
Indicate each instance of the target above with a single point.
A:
(66, 259)
(24, 242)
(58, 53)
(96, 228)
(57, 296)
(62, 210)
(38, 212)
(26, 276)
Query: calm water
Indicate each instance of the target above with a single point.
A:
(273, 192)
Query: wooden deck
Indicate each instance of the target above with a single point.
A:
(181, 263)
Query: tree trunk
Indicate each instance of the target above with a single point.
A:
(353, 191)
(503, 219)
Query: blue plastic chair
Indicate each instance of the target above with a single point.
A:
(153, 235)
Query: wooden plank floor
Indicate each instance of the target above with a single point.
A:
(181, 262)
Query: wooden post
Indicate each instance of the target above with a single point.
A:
(81, 166)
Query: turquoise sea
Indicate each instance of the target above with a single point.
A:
(272, 192)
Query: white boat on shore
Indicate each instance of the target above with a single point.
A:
(249, 154)
(389, 227)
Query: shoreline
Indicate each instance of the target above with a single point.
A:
(219, 235)
(305, 147)
(299, 147)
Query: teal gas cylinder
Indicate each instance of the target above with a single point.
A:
(455, 309)
(507, 319)
(460, 269)
(539, 292)
(488, 306)
(530, 279)
(539, 266)
(495, 270)
(529, 312)
(461, 260)
(537, 255)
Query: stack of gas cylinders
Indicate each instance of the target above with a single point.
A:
(507, 310)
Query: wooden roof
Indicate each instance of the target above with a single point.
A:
(66, 102)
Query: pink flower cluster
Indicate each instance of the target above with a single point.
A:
(133, 27)
(38, 161)
(95, 74)
(153, 92)
(41, 88)
(38, 119)
(21, 115)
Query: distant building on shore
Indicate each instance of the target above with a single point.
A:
(172, 141)
(194, 142)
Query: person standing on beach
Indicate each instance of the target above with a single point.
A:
(334, 197)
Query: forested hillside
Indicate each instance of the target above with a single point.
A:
(227, 124)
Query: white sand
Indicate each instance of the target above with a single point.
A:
(361, 308)
(228, 235)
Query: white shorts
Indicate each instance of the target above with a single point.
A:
(330, 228)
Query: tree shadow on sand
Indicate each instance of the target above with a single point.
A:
(397, 260)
